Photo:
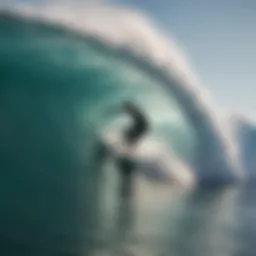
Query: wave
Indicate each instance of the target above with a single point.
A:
(62, 70)
(123, 48)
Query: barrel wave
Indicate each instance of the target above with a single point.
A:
(107, 65)
(59, 76)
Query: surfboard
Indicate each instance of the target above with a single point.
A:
(152, 157)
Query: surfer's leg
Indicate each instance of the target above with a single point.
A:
(126, 168)
(125, 216)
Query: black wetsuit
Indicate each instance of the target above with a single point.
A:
(127, 165)
(140, 127)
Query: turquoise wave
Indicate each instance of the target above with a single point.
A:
(53, 60)
(57, 89)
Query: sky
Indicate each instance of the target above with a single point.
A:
(219, 38)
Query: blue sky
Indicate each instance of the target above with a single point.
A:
(219, 37)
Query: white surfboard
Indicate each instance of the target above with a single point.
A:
(153, 157)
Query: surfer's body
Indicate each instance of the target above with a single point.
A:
(126, 163)
(131, 137)
(140, 126)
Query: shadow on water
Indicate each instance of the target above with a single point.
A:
(125, 216)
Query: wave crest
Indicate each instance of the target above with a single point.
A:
(126, 31)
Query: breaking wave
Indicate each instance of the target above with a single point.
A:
(83, 62)
(62, 69)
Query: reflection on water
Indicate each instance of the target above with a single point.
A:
(166, 221)
(203, 225)
(159, 220)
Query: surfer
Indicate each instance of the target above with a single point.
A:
(131, 137)
(127, 166)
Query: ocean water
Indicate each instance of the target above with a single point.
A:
(58, 88)
(205, 221)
